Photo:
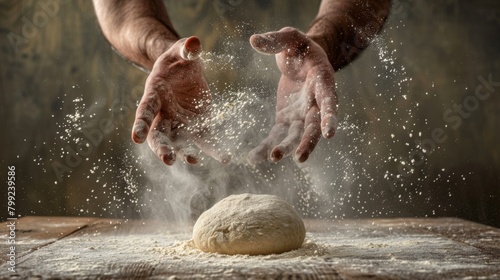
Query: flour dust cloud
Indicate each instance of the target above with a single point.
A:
(355, 174)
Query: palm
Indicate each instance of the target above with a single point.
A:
(306, 100)
(176, 96)
(182, 90)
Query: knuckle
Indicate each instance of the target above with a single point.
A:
(289, 29)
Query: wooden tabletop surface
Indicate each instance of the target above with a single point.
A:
(76, 247)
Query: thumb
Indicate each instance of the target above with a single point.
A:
(191, 48)
(276, 41)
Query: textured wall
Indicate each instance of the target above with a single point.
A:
(62, 85)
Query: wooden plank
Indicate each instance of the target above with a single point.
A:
(413, 248)
(375, 248)
(35, 232)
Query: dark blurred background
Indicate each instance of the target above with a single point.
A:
(417, 139)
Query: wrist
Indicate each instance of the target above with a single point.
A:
(332, 37)
(322, 33)
(322, 40)
(144, 40)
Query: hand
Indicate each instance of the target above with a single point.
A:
(176, 95)
(306, 102)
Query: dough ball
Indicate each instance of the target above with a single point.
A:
(249, 224)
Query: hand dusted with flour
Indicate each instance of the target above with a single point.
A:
(249, 224)
(306, 102)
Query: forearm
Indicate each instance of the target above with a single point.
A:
(343, 28)
(139, 30)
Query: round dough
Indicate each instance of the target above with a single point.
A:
(249, 224)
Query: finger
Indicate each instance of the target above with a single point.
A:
(328, 123)
(327, 102)
(146, 111)
(263, 150)
(188, 153)
(277, 41)
(159, 141)
(191, 48)
(183, 145)
(311, 135)
(286, 146)
(258, 154)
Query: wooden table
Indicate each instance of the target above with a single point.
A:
(70, 247)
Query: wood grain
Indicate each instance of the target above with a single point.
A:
(444, 248)
(33, 233)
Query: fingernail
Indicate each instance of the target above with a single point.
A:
(276, 155)
(328, 132)
(191, 159)
(140, 133)
(329, 125)
(302, 158)
(168, 158)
